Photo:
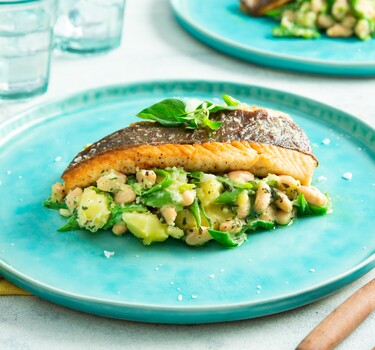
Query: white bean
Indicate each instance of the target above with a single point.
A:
(58, 192)
(283, 202)
(125, 195)
(111, 181)
(268, 215)
(339, 31)
(325, 21)
(72, 198)
(198, 236)
(188, 197)
(231, 226)
(65, 212)
(313, 195)
(240, 176)
(263, 197)
(119, 229)
(169, 214)
(146, 177)
(284, 218)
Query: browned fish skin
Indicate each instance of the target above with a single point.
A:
(246, 124)
(237, 144)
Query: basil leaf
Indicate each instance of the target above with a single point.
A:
(157, 199)
(166, 112)
(54, 205)
(229, 197)
(71, 224)
(230, 101)
(226, 239)
(167, 181)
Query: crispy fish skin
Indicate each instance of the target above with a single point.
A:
(251, 138)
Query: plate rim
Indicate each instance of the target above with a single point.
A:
(233, 44)
(20, 278)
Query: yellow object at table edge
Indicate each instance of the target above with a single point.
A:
(7, 288)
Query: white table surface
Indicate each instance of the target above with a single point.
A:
(155, 47)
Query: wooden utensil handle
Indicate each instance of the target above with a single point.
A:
(342, 321)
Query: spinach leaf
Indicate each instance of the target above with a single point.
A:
(117, 210)
(167, 181)
(229, 197)
(195, 210)
(71, 224)
(255, 224)
(54, 205)
(157, 199)
(226, 239)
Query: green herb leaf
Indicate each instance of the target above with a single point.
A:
(229, 197)
(195, 210)
(167, 181)
(167, 112)
(54, 205)
(230, 101)
(172, 112)
(302, 205)
(230, 184)
(226, 239)
(255, 224)
(117, 210)
(157, 199)
(71, 224)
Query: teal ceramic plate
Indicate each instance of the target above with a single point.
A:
(221, 25)
(171, 282)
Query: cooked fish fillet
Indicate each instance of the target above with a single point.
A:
(260, 140)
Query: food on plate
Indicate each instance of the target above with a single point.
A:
(308, 18)
(195, 171)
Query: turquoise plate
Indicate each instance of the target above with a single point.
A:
(171, 282)
(221, 25)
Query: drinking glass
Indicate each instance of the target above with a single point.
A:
(26, 28)
(89, 26)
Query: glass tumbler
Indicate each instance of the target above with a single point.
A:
(26, 28)
(89, 26)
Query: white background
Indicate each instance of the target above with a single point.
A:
(155, 47)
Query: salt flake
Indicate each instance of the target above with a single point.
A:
(58, 159)
(108, 254)
(322, 178)
(212, 275)
(326, 141)
(347, 176)
(180, 297)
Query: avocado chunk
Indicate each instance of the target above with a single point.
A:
(146, 226)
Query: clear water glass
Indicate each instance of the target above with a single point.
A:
(89, 26)
(26, 30)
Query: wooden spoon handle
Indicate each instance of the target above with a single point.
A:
(342, 321)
